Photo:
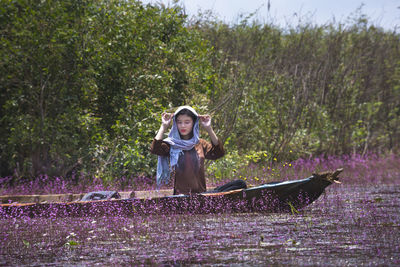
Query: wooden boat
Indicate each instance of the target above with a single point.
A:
(288, 196)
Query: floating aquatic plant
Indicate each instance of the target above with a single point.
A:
(355, 223)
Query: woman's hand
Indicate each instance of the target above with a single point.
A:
(205, 121)
(166, 119)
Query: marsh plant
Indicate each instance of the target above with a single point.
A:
(353, 223)
(255, 171)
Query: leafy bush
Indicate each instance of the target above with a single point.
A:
(83, 84)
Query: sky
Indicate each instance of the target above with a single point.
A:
(384, 13)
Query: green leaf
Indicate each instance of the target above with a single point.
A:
(71, 243)
(26, 243)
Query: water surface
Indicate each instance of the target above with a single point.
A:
(350, 225)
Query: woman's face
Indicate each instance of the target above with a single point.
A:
(185, 126)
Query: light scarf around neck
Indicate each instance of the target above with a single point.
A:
(177, 145)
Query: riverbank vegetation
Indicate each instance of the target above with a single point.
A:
(83, 84)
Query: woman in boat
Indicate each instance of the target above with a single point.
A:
(183, 152)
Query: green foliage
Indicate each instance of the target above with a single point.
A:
(228, 166)
(83, 84)
(307, 89)
(235, 165)
(42, 102)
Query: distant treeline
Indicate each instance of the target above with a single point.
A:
(83, 84)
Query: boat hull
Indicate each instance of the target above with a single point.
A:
(286, 196)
